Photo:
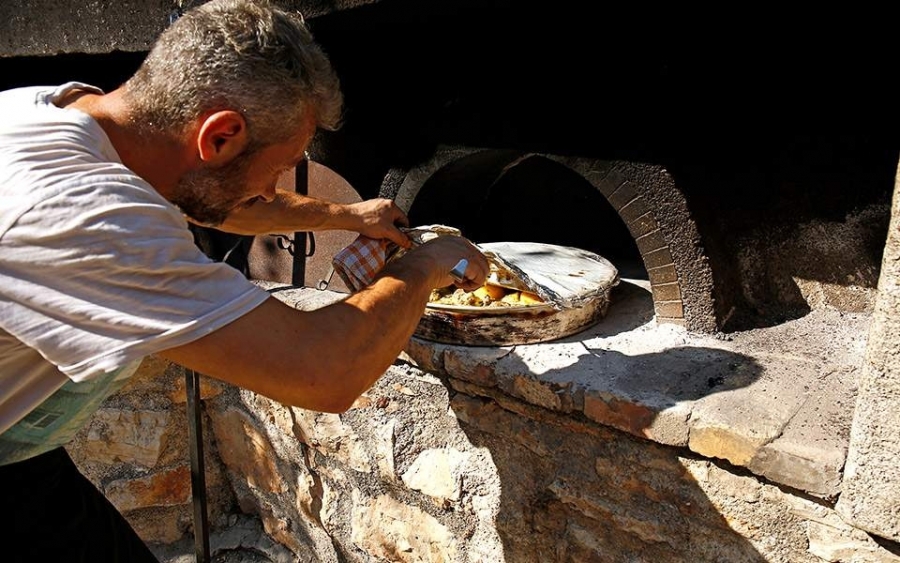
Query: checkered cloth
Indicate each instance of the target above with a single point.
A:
(359, 262)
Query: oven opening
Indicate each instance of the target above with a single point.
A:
(505, 196)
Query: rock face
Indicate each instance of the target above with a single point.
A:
(871, 498)
(135, 450)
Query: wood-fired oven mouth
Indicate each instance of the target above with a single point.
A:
(505, 197)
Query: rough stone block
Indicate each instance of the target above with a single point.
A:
(115, 436)
(669, 310)
(246, 450)
(751, 410)
(387, 529)
(640, 226)
(624, 195)
(666, 292)
(436, 473)
(169, 487)
(476, 365)
(617, 413)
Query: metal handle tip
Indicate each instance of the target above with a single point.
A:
(458, 273)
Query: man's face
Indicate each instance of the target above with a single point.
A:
(209, 196)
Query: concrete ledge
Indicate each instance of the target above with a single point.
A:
(776, 401)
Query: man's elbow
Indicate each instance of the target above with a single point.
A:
(343, 393)
(336, 402)
(335, 407)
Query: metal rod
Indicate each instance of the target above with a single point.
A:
(301, 186)
(198, 474)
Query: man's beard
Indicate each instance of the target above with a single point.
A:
(208, 196)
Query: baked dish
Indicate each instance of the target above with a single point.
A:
(503, 288)
(485, 296)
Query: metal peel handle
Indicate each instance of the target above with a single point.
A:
(458, 273)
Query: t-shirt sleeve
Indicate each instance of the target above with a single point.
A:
(106, 272)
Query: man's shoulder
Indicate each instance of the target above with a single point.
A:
(61, 159)
(42, 94)
(30, 120)
(89, 190)
(96, 200)
(23, 94)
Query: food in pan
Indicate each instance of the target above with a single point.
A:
(484, 296)
(502, 289)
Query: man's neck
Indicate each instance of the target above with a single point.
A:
(157, 158)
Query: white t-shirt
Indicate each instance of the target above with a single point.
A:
(97, 270)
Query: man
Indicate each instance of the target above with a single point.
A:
(98, 267)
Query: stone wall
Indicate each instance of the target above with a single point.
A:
(447, 460)
(135, 449)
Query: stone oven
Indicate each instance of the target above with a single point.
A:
(743, 193)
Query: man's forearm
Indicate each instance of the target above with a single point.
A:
(290, 212)
(335, 353)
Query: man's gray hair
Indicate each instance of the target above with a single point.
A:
(243, 55)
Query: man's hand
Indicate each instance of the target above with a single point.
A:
(440, 255)
(381, 218)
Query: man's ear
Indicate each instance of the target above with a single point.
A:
(221, 137)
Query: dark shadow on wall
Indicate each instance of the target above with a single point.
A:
(573, 490)
(570, 494)
(106, 71)
(814, 208)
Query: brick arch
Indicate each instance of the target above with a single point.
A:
(651, 206)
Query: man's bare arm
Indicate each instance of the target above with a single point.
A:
(289, 212)
(324, 359)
